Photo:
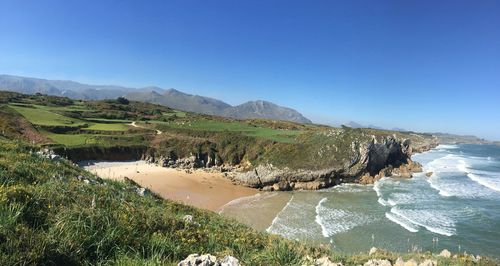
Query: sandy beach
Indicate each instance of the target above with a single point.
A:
(200, 189)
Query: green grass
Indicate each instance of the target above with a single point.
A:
(175, 113)
(43, 117)
(48, 216)
(235, 126)
(73, 139)
(105, 120)
(108, 127)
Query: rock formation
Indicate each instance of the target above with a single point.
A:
(372, 161)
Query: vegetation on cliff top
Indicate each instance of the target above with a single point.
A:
(163, 131)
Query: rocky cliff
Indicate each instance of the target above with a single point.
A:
(370, 162)
(113, 153)
(366, 162)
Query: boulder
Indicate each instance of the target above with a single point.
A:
(187, 218)
(325, 261)
(429, 174)
(208, 260)
(378, 263)
(141, 191)
(199, 260)
(229, 261)
(411, 262)
(373, 250)
(445, 253)
(399, 262)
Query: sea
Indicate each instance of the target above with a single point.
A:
(456, 208)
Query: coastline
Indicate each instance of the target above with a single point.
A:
(195, 187)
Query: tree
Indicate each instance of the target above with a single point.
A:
(122, 100)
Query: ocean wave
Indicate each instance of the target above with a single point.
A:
(432, 220)
(447, 146)
(294, 221)
(247, 200)
(441, 189)
(488, 179)
(334, 221)
(276, 218)
(378, 185)
(383, 202)
(402, 221)
(491, 184)
(447, 171)
(350, 188)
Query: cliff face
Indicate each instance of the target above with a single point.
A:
(114, 153)
(371, 161)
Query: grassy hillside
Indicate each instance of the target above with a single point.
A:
(52, 212)
(163, 131)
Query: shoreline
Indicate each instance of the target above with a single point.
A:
(197, 188)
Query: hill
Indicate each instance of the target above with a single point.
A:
(267, 154)
(446, 138)
(171, 98)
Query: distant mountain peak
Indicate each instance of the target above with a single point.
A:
(172, 98)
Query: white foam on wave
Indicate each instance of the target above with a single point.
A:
(378, 184)
(447, 146)
(491, 184)
(445, 171)
(487, 179)
(441, 190)
(318, 220)
(276, 218)
(247, 200)
(334, 221)
(392, 202)
(294, 221)
(402, 221)
(432, 220)
(350, 188)
(383, 202)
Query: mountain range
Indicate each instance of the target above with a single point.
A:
(353, 124)
(167, 97)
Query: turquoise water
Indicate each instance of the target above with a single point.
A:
(457, 208)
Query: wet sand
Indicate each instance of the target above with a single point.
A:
(200, 189)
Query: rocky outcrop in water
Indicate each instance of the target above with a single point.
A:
(372, 161)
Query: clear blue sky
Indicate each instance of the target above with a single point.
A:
(421, 65)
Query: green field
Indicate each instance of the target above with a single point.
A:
(278, 135)
(73, 139)
(43, 117)
(175, 113)
(108, 127)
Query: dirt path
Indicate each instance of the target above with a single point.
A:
(158, 132)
